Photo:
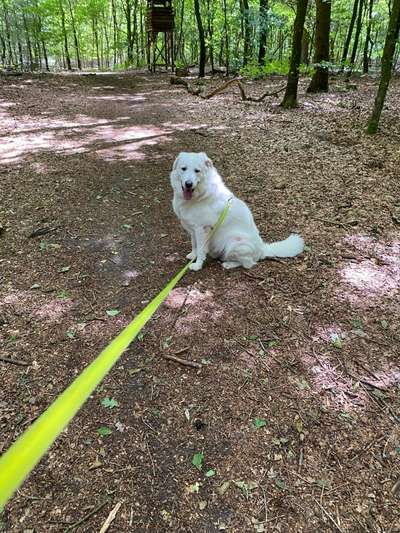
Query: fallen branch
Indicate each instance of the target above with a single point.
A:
(261, 98)
(110, 518)
(329, 516)
(180, 81)
(221, 88)
(225, 86)
(86, 517)
(183, 362)
(182, 350)
(41, 231)
(13, 361)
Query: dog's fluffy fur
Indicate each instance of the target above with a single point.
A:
(200, 196)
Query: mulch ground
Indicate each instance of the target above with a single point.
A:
(294, 414)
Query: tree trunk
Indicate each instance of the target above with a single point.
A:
(349, 33)
(367, 39)
(210, 28)
(320, 79)
(386, 70)
(247, 32)
(8, 35)
(21, 57)
(179, 41)
(357, 34)
(227, 58)
(290, 98)
(46, 59)
(96, 41)
(76, 43)
(115, 32)
(263, 17)
(202, 42)
(28, 43)
(3, 51)
(129, 35)
(66, 51)
(305, 48)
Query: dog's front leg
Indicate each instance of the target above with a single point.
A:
(193, 253)
(201, 239)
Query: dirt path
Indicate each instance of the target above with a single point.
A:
(296, 408)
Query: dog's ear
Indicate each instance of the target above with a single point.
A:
(176, 161)
(207, 161)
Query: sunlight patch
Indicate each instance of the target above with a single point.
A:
(197, 309)
(377, 275)
(53, 310)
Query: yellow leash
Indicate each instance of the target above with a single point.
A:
(26, 452)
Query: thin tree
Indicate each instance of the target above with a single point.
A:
(357, 34)
(349, 33)
(290, 98)
(387, 63)
(320, 79)
(247, 31)
(368, 39)
(263, 18)
(64, 31)
(202, 42)
(76, 43)
(227, 55)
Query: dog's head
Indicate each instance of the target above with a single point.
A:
(190, 173)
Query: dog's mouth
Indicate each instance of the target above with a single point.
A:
(187, 192)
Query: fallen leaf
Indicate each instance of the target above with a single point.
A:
(223, 488)
(194, 488)
(104, 431)
(259, 422)
(109, 402)
(197, 460)
(113, 312)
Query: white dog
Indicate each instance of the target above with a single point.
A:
(200, 196)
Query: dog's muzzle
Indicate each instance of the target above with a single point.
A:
(187, 190)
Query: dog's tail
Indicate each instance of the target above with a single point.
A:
(290, 247)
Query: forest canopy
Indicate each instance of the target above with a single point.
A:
(248, 36)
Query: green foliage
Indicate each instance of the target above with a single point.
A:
(98, 32)
(197, 460)
(275, 67)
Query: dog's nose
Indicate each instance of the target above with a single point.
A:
(188, 184)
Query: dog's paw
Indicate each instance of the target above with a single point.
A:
(191, 256)
(196, 266)
(230, 264)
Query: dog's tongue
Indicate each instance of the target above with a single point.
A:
(187, 193)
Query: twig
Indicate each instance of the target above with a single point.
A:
(178, 314)
(332, 222)
(221, 88)
(182, 361)
(366, 448)
(261, 98)
(253, 276)
(110, 518)
(225, 86)
(329, 516)
(151, 458)
(41, 231)
(190, 89)
(86, 517)
(182, 350)
(13, 361)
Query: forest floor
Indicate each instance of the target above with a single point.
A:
(296, 406)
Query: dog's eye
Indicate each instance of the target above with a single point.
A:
(184, 168)
(196, 170)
